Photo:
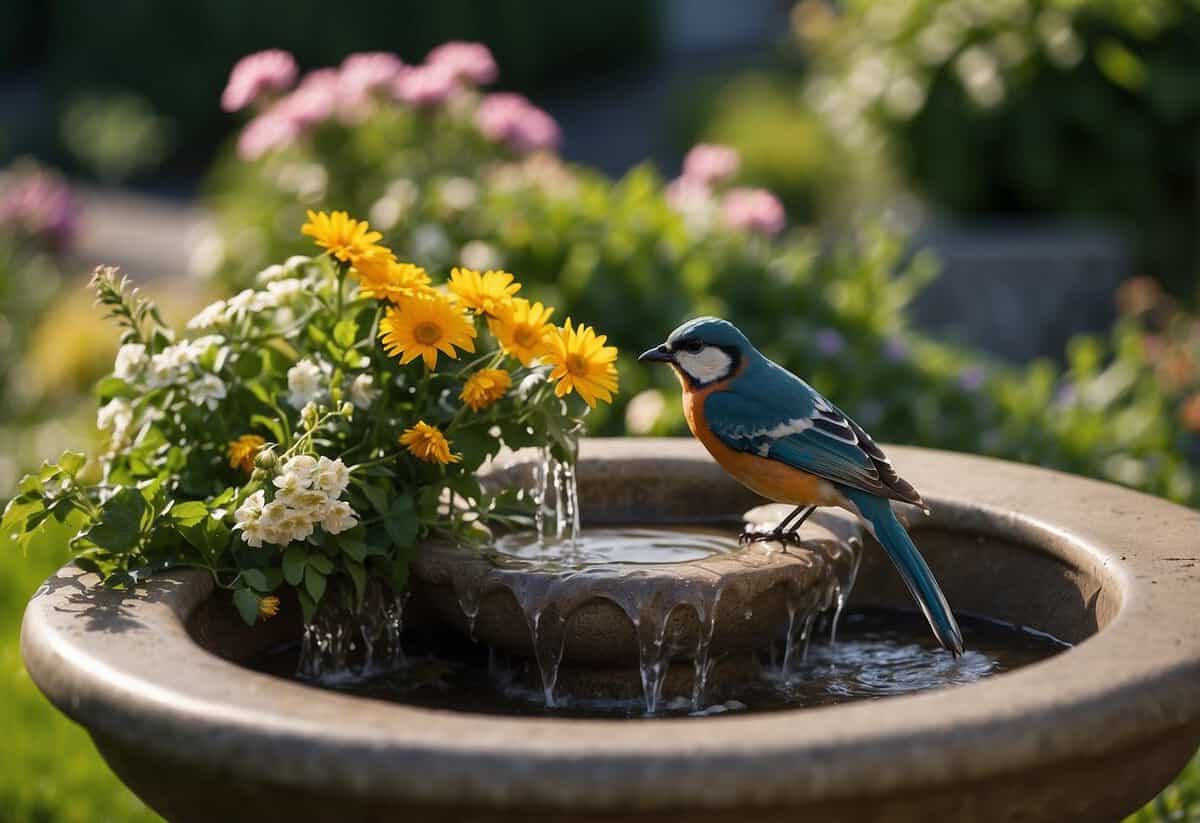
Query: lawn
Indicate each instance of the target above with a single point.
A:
(50, 773)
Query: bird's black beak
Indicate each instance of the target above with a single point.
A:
(658, 354)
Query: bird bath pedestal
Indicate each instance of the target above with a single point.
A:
(1089, 734)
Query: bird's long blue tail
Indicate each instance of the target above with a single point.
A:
(877, 511)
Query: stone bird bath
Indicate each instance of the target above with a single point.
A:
(1089, 734)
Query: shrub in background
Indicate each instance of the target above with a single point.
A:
(1041, 107)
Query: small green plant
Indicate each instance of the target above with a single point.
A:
(317, 427)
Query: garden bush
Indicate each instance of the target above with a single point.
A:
(643, 255)
(1051, 108)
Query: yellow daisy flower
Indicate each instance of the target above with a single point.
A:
(486, 293)
(582, 363)
(346, 239)
(381, 276)
(485, 387)
(426, 442)
(422, 326)
(243, 450)
(522, 329)
(268, 607)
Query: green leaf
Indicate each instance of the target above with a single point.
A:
(345, 333)
(320, 562)
(294, 560)
(72, 462)
(401, 521)
(120, 523)
(358, 575)
(399, 574)
(314, 584)
(256, 579)
(307, 605)
(377, 497)
(270, 424)
(190, 513)
(246, 602)
(354, 549)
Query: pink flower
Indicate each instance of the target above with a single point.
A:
(366, 74)
(40, 204)
(472, 62)
(269, 131)
(709, 163)
(512, 120)
(313, 101)
(686, 194)
(256, 75)
(425, 86)
(754, 210)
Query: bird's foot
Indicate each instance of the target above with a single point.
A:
(786, 538)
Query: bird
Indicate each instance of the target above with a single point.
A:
(782, 439)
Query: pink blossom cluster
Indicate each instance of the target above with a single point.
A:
(707, 166)
(39, 204)
(349, 92)
(510, 119)
(257, 76)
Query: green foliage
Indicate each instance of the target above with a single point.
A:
(617, 250)
(1044, 107)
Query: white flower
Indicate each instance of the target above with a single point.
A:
(282, 291)
(331, 477)
(170, 365)
(254, 533)
(304, 383)
(339, 518)
(310, 501)
(115, 416)
(363, 391)
(479, 255)
(251, 509)
(131, 359)
(248, 300)
(208, 391)
(459, 193)
(429, 241)
(209, 316)
(272, 272)
(199, 347)
(296, 525)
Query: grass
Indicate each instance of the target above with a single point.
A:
(51, 773)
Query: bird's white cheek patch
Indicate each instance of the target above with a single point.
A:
(705, 366)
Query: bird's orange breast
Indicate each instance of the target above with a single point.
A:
(769, 478)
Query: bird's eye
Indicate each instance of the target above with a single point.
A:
(692, 345)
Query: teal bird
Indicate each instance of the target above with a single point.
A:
(779, 437)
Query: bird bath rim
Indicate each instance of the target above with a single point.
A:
(130, 672)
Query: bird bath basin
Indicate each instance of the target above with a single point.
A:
(157, 677)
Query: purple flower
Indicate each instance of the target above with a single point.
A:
(313, 101)
(425, 86)
(266, 133)
(40, 204)
(512, 120)
(895, 350)
(754, 210)
(829, 342)
(256, 75)
(709, 163)
(366, 74)
(472, 62)
(972, 379)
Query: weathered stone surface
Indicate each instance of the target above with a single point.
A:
(1089, 734)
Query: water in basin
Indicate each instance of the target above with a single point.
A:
(879, 653)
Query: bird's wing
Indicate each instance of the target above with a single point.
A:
(789, 421)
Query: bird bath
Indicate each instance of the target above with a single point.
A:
(159, 678)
